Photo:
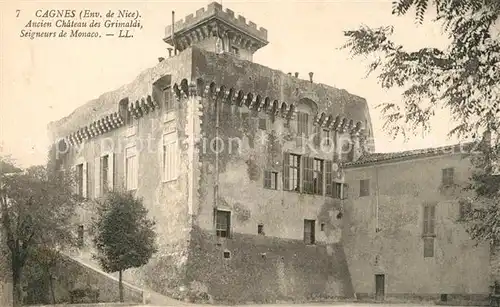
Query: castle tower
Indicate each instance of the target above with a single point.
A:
(217, 30)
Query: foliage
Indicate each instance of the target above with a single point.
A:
(124, 234)
(36, 207)
(483, 221)
(125, 237)
(463, 78)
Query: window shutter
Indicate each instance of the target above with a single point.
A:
(317, 136)
(75, 176)
(432, 218)
(310, 174)
(267, 179)
(328, 178)
(320, 179)
(97, 177)
(345, 190)
(111, 171)
(84, 180)
(286, 171)
(426, 220)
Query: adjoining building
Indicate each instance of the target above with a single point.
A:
(252, 176)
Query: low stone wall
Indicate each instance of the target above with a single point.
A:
(88, 305)
(261, 269)
(71, 275)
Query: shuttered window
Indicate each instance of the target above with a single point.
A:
(429, 247)
(448, 176)
(429, 220)
(328, 178)
(317, 136)
(291, 172)
(318, 177)
(167, 99)
(170, 157)
(131, 168)
(308, 175)
(271, 180)
(222, 223)
(79, 179)
(302, 124)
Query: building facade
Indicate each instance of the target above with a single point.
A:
(251, 175)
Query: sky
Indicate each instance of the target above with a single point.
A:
(43, 80)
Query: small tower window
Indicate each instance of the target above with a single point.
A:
(235, 51)
(260, 229)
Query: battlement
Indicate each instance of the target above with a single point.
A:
(215, 11)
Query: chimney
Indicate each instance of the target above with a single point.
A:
(170, 52)
(160, 59)
(296, 75)
(311, 76)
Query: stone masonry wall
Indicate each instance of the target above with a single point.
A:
(277, 266)
(167, 202)
(400, 190)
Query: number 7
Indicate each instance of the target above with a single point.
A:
(18, 12)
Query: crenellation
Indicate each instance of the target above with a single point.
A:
(189, 18)
(200, 12)
(215, 6)
(214, 10)
(230, 13)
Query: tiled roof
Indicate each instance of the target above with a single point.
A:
(412, 154)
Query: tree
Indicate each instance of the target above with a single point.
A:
(36, 207)
(125, 237)
(463, 78)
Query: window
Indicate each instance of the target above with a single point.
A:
(167, 99)
(340, 190)
(464, 209)
(322, 226)
(317, 136)
(235, 50)
(302, 124)
(428, 247)
(170, 157)
(132, 126)
(364, 187)
(309, 235)
(291, 172)
(131, 168)
(260, 229)
(80, 236)
(328, 179)
(105, 173)
(429, 220)
(318, 177)
(447, 176)
(227, 255)
(308, 177)
(262, 123)
(79, 179)
(326, 136)
(271, 180)
(222, 223)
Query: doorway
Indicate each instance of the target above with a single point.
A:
(379, 287)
